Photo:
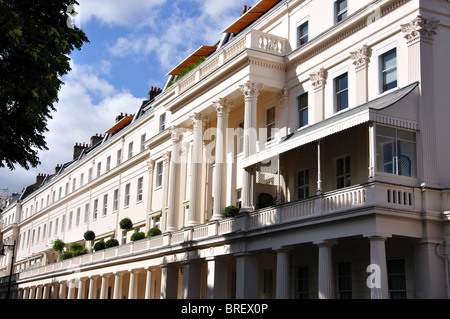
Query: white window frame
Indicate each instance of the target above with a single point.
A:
(380, 53)
(298, 28)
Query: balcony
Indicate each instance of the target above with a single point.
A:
(255, 40)
(355, 199)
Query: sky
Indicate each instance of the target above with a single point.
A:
(133, 45)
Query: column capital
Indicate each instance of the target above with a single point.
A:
(166, 157)
(377, 236)
(325, 242)
(282, 96)
(319, 78)
(175, 134)
(151, 165)
(361, 56)
(195, 118)
(222, 106)
(420, 28)
(251, 90)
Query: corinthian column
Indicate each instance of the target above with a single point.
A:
(196, 171)
(174, 172)
(251, 92)
(223, 108)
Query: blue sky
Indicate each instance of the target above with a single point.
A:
(133, 45)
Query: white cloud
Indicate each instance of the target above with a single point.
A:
(88, 104)
(118, 12)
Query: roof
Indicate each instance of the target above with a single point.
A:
(201, 52)
(121, 124)
(251, 16)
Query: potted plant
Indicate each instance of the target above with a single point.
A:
(230, 211)
(111, 243)
(77, 249)
(137, 236)
(89, 236)
(100, 245)
(155, 231)
(126, 224)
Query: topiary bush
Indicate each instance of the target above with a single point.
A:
(76, 247)
(126, 224)
(111, 243)
(155, 231)
(66, 255)
(230, 211)
(137, 236)
(59, 245)
(89, 235)
(100, 245)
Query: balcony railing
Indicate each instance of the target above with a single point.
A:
(352, 198)
(254, 39)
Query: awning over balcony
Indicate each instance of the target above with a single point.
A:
(201, 52)
(251, 16)
(398, 108)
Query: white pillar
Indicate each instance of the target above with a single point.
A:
(82, 288)
(151, 169)
(372, 152)
(191, 279)
(104, 287)
(169, 281)
(118, 280)
(173, 181)
(251, 92)
(92, 288)
(62, 290)
(133, 284)
(196, 171)
(149, 283)
(217, 278)
(246, 276)
(378, 258)
(325, 269)
(283, 274)
(223, 108)
(319, 167)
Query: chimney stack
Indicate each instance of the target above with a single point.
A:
(96, 139)
(40, 179)
(78, 149)
(154, 92)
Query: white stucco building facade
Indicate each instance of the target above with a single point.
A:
(325, 122)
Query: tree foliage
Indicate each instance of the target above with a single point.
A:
(35, 43)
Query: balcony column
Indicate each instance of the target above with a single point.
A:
(246, 276)
(325, 268)
(173, 184)
(219, 189)
(361, 59)
(420, 34)
(372, 152)
(319, 167)
(45, 292)
(72, 285)
(378, 260)
(251, 92)
(149, 283)
(192, 270)
(283, 271)
(196, 171)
